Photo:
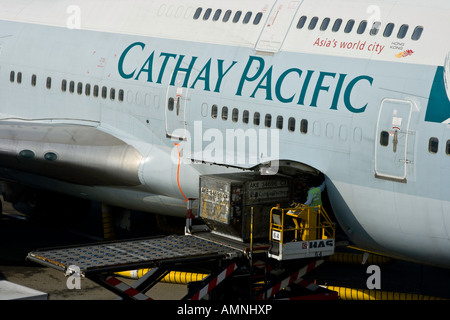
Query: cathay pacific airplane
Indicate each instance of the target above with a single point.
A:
(129, 102)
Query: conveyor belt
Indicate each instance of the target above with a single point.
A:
(141, 253)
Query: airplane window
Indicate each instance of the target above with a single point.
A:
(349, 26)
(245, 116)
(247, 17)
(313, 23)
(121, 95)
(447, 149)
(19, 77)
(362, 27)
(337, 25)
(304, 126)
(96, 88)
(291, 124)
(87, 90)
(433, 145)
(214, 111)
(217, 14)
(257, 18)
(417, 33)
(112, 94)
(80, 88)
(224, 113)
(12, 76)
(104, 92)
(170, 104)
(49, 83)
(375, 28)
(268, 120)
(197, 13)
(64, 85)
(324, 24)
(384, 138)
(256, 118)
(237, 16)
(301, 22)
(388, 30)
(235, 115)
(71, 86)
(280, 122)
(226, 16)
(207, 14)
(402, 31)
(33, 80)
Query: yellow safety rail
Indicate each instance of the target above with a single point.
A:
(302, 223)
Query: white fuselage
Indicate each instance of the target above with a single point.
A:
(374, 105)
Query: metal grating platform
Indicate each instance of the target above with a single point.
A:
(119, 256)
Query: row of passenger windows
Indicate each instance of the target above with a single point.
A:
(362, 27)
(227, 16)
(72, 87)
(433, 143)
(256, 120)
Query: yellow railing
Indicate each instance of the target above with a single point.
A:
(302, 223)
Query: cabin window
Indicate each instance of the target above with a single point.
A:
(245, 116)
(324, 24)
(257, 18)
(207, 14)
(402, 31)
(49, 82)
(64, 85)
(349, 26)
(226, 16)
(33, 80)
(87, 90)
(384, 138)
(170, 104)
(447, 148)
(304, 126)
(224, 113)
(104, 92)
(217, 14)
(279, 123)
(337, 25)
(301, 22)
(237, 16)
(433, 145)
(313, 23)
(247, 18)
(268, 120)
(291, 124)
(71, 86)
(80, 88)
(235, 115)
(121, 95)
(375, 28)
(197, 13)
(417, 33)
(214, 111)
(112, 94)
(12, 76)
(388, 30)
(19, 77)
(256, 118)
(362, 27)
(96, 89)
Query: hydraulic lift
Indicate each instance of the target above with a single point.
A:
(299, 240)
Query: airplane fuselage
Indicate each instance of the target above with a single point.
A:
(170, 93)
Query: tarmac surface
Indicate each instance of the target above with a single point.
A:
(19, 236)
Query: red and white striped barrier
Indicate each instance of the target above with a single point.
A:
(214, 282)
(125, 288)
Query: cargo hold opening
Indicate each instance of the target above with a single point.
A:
(228, 200)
